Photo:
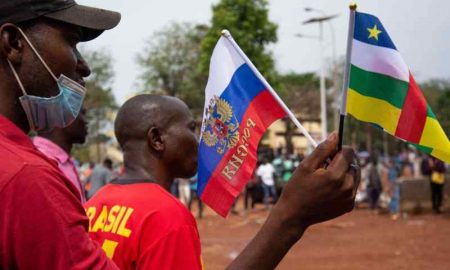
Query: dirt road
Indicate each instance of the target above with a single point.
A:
(359, 240)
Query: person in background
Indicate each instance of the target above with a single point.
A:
(407, 170)
(266, 172)
(85, 177)
(287, 168)
(184, 190)
(100, 176)
(298, 159)
(374, 185)
(174, 189)
(277, 163)
(391, 181)
(250, 192)
(156, 135)
(57, 145)
(437, 184)
(194, 185)
(425, 166)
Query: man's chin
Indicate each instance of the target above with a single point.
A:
(191, 173)
(80, 141)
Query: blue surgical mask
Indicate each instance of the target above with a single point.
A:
(46, 113)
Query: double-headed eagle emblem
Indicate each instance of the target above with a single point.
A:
(220, 126)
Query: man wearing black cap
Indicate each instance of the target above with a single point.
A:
(42, 222)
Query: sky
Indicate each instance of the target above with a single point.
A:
(419, 29)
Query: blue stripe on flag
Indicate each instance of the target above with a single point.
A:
(364, 22)
(243, 88)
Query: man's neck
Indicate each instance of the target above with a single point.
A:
(10, 106)
(145, 168)
(62, 143)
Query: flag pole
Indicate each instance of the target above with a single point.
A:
(228, 36)
(345, 83)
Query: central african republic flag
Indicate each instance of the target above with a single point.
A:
(382, 90)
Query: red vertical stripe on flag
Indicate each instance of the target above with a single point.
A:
(263, 111)
(414, 114)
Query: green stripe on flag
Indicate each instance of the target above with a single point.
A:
(422, 148)
(430, 112)
(378, 86)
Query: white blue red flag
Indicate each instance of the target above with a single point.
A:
(239, 107)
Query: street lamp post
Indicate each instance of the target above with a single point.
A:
(323, 102)
(333, 36)
(323, 108)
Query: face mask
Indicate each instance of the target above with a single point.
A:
(44, 114)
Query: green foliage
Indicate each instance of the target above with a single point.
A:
(98, 102)
(301, 93)
(248, 22)
(170, 63)
(99, 94)
(81, 153)
(437, 94)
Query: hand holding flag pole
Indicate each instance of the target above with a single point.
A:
(345, 83)
(227, 35)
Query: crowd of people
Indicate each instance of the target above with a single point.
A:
(381, 178)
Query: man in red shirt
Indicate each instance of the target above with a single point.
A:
(141, 226)
(42, 222)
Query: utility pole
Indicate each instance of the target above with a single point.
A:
(323, 101)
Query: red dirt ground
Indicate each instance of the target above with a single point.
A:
(359, 240)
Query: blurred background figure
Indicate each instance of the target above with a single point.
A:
(174, 188)
(193, 186)
(85, 174)
(374, 186)
(184, 190)
(287, 168)
(57, 145)
(392, 187)
(437, 183)
(250, 192)
(100, 176)
(266, 172)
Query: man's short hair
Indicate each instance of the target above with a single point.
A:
(108, 162)
(141, 112)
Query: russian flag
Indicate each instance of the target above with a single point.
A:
(239, 108)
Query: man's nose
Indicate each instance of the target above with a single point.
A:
(82, 66)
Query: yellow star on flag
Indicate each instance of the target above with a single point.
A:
(373, 32)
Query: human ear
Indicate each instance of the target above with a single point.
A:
(11, 43)
(155, 139)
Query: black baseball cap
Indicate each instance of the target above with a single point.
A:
(92, 20)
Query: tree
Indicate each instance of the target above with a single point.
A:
(301, 94)
(248, 22)
(437, 94)
(99, 101)
(170, 63)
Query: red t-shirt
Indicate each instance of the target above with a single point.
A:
(142, 226)
(42, 222)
